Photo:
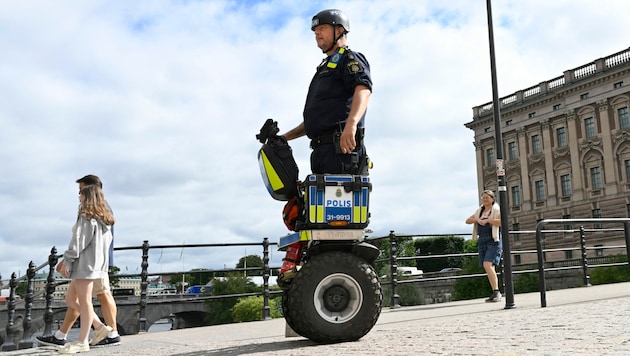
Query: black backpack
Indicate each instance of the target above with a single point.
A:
(277, 165)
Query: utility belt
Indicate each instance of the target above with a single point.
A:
(334, 137)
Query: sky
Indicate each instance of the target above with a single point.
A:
(163, 99)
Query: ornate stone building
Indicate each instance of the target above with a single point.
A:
(566, 154)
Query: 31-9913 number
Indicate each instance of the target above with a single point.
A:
(338, 217)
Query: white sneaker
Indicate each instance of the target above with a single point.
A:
(74, 347)
(495, 297)
(100, 334)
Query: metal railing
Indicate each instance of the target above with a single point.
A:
(13, 330)
(582, 263)
(540, 252)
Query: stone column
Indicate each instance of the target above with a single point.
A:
(577, 180)
(609, 179)
(525, 183)
(550, 179)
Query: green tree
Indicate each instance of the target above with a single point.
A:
(113, 280)
(470, 288)
(176, 280)
(441, 245)
(404, 248)
(220, 310)
(613, 274)
(526, 283)
(251, 308)
(250, 261)
(200, 276)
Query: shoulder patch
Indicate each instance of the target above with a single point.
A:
(354, 67)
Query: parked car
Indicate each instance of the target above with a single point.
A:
(409, 272)
(197, 290)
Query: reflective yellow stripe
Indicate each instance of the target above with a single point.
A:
(335, 58)
(305, 235)
(272, 175)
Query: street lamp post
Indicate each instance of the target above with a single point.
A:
(502, 187)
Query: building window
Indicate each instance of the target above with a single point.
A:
(584, 96)
(567, 226)
(599, 251)
(565, 185)
(589, 126)
(516, 227)
(517, 259)
(561, 136)
(624, 120)
(536, 145)
(512, 151)
(531, 114)
(596, 214)
(556, 107)
(628, 210)
(568, 255)
(618, 85)
(539, 186)
(490, 157)
(627, 165)
(596, 178)
(516, 195)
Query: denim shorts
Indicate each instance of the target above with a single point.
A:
(489, 250)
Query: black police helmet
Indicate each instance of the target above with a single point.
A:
(332, 17)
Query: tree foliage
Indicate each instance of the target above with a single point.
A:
(113, 280)
(234, 283)
(441, 245)
(613, 274)
(470, 288)
(250, 261)
(251, 309)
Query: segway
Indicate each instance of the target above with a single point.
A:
(331, 292)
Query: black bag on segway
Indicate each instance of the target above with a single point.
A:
(277, 165)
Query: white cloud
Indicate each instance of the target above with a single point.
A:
(162, 99)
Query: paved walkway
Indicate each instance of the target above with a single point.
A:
(579, 321)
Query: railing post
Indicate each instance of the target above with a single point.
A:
(144, 275)
(542, 285)
(27, 333)
(626, 233)
(50, 291)
(587, 282)
(266, 312)
(9, 343)
(395, 303)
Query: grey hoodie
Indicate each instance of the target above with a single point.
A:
(87, 255)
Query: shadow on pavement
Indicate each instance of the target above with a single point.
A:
(253, 348)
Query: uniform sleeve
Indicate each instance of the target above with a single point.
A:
(357, 71)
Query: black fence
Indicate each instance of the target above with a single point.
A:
(13, 330)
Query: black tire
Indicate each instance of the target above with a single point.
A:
(335, 297)
(287, 315)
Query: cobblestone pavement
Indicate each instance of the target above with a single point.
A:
(580, 321)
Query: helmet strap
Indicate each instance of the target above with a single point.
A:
(336, 38)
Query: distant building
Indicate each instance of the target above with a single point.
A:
(566, 144)
(130, 283)
(40, 280)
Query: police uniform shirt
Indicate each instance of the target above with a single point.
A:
(330, 93)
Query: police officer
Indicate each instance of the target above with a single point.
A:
(337, 100)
